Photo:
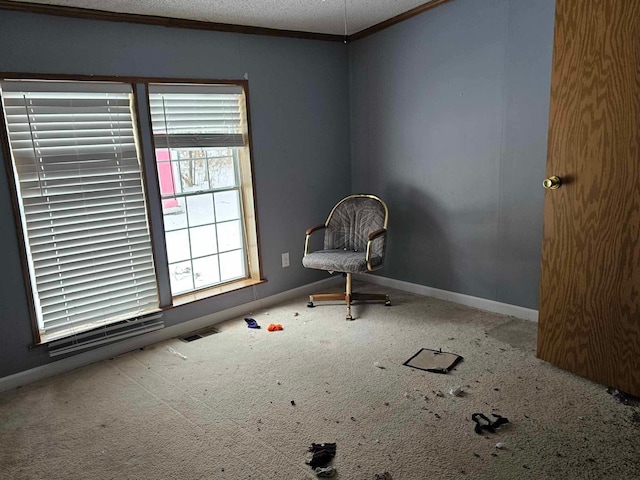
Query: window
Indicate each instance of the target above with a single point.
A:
(202, 160)
(78, 177)
(89, 243)
(82, 204)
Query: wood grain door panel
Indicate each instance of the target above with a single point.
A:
(590, 285)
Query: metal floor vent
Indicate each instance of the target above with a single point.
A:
(199, 334)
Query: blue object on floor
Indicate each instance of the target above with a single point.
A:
(251, 323)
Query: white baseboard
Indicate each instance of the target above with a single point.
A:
(135, 343)
(462, 299)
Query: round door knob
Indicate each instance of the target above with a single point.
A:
(552, 183)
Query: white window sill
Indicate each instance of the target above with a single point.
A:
(214, 291)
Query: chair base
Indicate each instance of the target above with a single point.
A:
(348, 297)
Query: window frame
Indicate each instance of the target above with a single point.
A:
(242, 159)
(151, 188)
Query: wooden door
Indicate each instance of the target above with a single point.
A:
(590, 289)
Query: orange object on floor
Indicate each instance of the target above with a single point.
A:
(274, 326)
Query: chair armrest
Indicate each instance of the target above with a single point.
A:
(315, 229)
(308, 236)
(377, 233)
(372, 236)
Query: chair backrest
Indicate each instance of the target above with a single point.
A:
(352, 220)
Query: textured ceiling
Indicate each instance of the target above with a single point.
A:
(320, 16)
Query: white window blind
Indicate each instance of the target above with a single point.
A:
(82, 203)
(185, 116)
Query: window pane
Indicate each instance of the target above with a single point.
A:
(222, 171)
(165, 172)
(206, 271)
(227, 205)
(175, 174)
(178, 245)
(229, 235)
(200, 209)
(193, 170)
(203, 241)
(175, 213)
(181, 277)
(231, 265)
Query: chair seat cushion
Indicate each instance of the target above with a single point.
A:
(339, 261)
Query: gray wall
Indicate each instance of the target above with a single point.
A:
(300, 127)
(445, 115)
(449, 116)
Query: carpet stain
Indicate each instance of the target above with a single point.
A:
(520, 334)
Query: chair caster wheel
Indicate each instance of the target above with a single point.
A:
(310, 305)
(387, 303)
(349, 318)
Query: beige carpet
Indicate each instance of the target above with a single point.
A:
(225, 411)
